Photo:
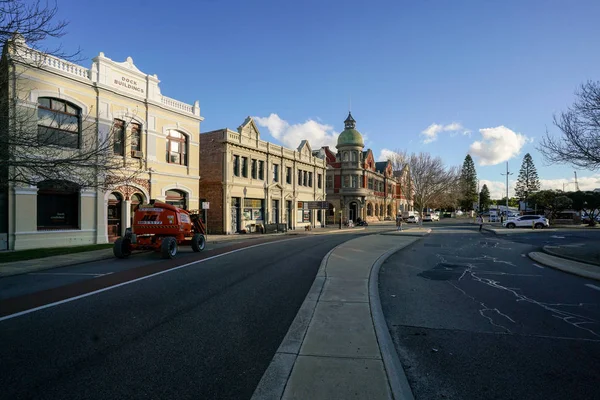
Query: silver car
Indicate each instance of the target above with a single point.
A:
(527, 221)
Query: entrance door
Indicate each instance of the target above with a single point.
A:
(235, 214)
(275, 211)
(288, 210)
(353, 211)
(114, 216)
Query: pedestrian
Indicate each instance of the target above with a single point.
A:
(480, 222)
(398, 223)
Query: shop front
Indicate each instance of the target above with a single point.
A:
(253, 215)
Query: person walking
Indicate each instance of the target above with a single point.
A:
(480, 222)
(398, 223)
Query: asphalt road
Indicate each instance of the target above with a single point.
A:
(473, 318)
(205, 331)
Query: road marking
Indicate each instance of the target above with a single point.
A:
(537, 265)
(592, 286)
(56, 303)
(523, 255)
(65, 273)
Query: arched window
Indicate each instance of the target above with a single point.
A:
(176, 148)
(57, 205)
(381, 210)
(176, 198)
(114, 215)
(136, 200)
(376, 210)
(354, 156)
(389, 210)
(369, 210)
(59, 122)
(345, 156)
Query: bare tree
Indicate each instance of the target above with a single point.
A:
(44, 143)
(430, 180)
(579, 144)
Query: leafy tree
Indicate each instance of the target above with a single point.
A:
(512, 202)
(552, 201)
(468, 183)
(580, 127)
(528, 181)
(588, 202)
(484, 198)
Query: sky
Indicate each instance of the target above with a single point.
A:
(446, 77)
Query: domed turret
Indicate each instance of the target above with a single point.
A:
(350, 136)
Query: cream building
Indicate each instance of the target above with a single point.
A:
(249, 182)
(153, 134)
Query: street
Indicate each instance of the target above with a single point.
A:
(208, 330)
(473, 318)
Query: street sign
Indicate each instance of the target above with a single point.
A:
(318, 205)
(205, 205)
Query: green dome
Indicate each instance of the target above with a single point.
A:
(350, 137)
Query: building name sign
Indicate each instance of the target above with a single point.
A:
(129, 83)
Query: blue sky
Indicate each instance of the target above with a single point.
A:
(434, 76)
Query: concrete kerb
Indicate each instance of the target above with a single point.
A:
(548, 250)
(393, 368)
(573, 267)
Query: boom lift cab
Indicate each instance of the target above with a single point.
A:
(162, 227)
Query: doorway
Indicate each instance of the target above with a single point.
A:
(353, 211)
(288, 211)
(115, 201)
(235, 215)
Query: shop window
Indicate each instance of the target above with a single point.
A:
(136, 137)
(119, 137)
(176, 198)
(59, 123)
(57, 205)
(236, 165)
(176, 148)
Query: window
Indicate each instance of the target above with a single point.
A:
(310, 174)
(275, 172)
(369, 210)
(57, 205)
(319, 181)
(329, 182)
(236, 165)
(254, 169)
(345, 156)
(346, 180)
(119, 137)
(136, 137)
(59, 123)
(176, 148)
(371, 183)
(245, 167)
(304, 179)
(261, 170)
(354, 156)
(299, 177)
(176, 198)
(288, 175)
(354, 181)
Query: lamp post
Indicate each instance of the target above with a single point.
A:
(340, 219)
(507, 174)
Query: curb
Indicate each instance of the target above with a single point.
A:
(555, 254)
(52, 266)
(584, 270)
(391, 362)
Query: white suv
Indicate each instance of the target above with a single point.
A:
(537, 221)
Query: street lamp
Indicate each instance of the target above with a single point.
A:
(340, 219)
(507, 174)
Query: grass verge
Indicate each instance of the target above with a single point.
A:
(32, 254)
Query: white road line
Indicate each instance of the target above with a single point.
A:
(537, 265)
(136, 280)
(592, 286)
(65, 273)
(523, 255)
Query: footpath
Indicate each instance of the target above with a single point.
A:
(213, 241)
(339, 346)
(577, 258)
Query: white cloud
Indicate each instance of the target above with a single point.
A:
(384, 154)
(585, 183)
(499, 144)
(290, 135)
(432, 131)
(498, 188)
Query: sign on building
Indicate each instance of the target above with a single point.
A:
(205, 205)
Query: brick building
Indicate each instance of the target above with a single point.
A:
(357, 186)
(249, 182)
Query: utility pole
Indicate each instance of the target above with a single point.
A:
(507, 174)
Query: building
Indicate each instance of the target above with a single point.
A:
(248, 182)
(156, 138)
(358, 186)
(404, 191)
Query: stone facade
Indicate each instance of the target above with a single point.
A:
(249, 182)
(107, 97)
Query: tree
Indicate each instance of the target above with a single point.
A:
(468, 183)
(512, 202)
(552, 201)
(30, 154)
(484, 198)
(528, 181)
(579, 144)
(430, 179)
(588, 202)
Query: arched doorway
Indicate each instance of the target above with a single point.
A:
(389, 210)
(369, 210)
(136, 200)
(381, 211)
(115, 200)
(353, 211)
(176, 198)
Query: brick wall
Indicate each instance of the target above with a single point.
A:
(211, 178)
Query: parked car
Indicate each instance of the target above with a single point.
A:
(430, 217)
(412, 219)
(527, 221)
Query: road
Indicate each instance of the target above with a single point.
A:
(207, 330)
(473, 318)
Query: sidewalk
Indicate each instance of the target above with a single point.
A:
(338, 346)
(40, 264)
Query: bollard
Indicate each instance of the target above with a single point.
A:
(532, 224)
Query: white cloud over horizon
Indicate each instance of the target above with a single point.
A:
(432, 131)
(384, 154)
(585, 183)
(498, 144)
(290, 135)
